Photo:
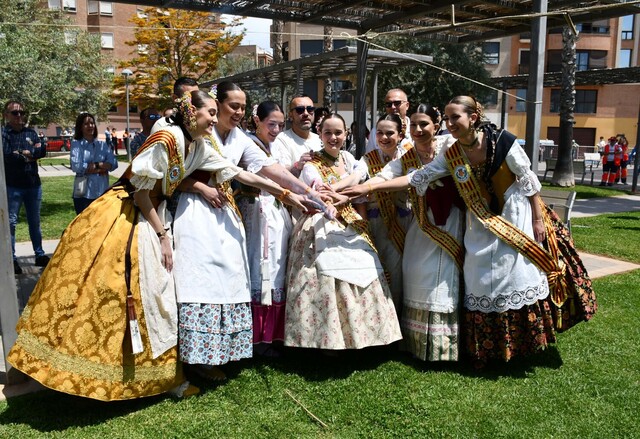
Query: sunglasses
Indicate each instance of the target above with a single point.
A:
(18, 112)
(154, 116)
(393, 103)
(309, 108)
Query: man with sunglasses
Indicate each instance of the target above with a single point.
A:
(298, 142)
(395, 101)
(22, 148)
(148, 117)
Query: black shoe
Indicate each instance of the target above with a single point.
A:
(42, 261)
(17, 269)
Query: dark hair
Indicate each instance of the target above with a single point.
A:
(6, 106)
(80, 121)
(332, 116)
(430, 111)
(471, 106)
(395, 119)
(266, 108)
(223, 89)
(145, 112)
(198, 99)
(183, 80)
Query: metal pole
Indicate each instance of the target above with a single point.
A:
(127, 141)
(536, 75)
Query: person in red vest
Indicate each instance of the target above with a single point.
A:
(611, 160)
(622, 172)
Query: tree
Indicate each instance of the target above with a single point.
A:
(563, 173)
(170, 43)
(55, 69)
(425, 84)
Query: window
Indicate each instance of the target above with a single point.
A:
(67, 5)
(624, 60)
(343, 91)
(99, 8)
(310, 47)
(491, 52)
(106, 40)
(594, 27)
(143, 49)
(310, 88)
(140, 12)
(585, 60)
(523, 65)
(339, 44)
(586, 101)
(492, 99)
(521, 104)
(626, 27)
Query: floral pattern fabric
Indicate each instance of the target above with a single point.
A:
(214, 334)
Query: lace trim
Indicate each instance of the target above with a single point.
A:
(529, 183)
(440, 308)
(255, 166)
(141, 183)
(505, 302)
(420, 180)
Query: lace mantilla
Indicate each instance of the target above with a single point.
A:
(505, 302)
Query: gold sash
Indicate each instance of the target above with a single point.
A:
(225, 186)
(395, 232)
(175, 168)
(346, 211)
(547, 261)
(411, 161)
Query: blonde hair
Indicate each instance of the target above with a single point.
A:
(471, 106)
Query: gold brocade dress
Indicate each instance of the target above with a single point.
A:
(73, 334)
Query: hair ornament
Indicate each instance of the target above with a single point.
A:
(214, 91)
(254, 110)
(188, 110)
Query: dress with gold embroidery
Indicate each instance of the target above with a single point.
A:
(73, 335)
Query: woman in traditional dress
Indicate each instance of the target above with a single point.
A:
(91, 160)
(432, 249)
(337, 295)
(508, 309)
(212, 272)
(268, 225)
(102, 320)
(388, 213)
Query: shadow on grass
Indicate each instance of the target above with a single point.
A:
(51, 411)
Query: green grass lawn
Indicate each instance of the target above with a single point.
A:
(584, 191)
(587, 386)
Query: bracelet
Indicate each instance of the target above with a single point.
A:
(163, 233)
(285, 193)
(537, 220)
(370, 187)
(308, 189)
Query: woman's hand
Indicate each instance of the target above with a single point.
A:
(213, 195)
(340, 199)
(295, 200)
(539, 232)
(166, 253)
(357, 191)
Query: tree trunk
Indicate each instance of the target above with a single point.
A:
(276, 40)
(328, 85)
(563, 173)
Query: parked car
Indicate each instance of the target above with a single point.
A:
(58, 143)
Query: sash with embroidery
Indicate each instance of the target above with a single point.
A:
(346, 211)
(395, 232)
(410, 162)
(547, 261)
(175, 168)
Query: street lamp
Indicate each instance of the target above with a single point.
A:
(126, 73)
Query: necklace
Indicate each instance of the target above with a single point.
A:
(330, 158)
(469, 145)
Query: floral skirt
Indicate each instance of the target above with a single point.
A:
(214, 334)
(268, 320)
(430, 336)
(509, 334)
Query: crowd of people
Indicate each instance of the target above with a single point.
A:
(216, 245)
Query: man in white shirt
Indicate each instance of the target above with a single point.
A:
(395, 101)
(298, 142)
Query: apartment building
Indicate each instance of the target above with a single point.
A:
(601, 110)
